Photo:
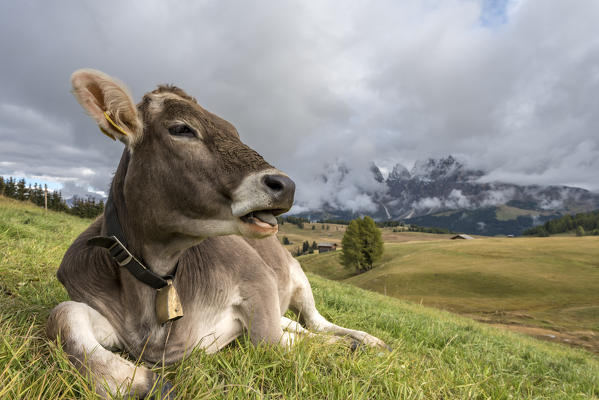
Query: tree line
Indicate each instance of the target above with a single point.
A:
(425, 229)
(306, 248)
(298, 221)
(81, 207)
(582, 223)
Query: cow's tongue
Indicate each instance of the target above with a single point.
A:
(267, 217)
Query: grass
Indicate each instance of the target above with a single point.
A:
(437, 355)
(550, 283)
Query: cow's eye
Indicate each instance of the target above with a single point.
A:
(182, 130)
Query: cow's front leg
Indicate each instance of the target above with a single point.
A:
(302, 303)
(86, 337)
(261, 314)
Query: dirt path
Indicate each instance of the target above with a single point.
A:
(587, 340)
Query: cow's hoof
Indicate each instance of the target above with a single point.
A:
(163, 390)
(355, 345)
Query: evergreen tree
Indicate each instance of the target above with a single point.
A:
(37, 195)
(10, 188)
(21, 190)
(314, 246)
(2, 185)
(372, 242)
(362, 244)
(351, 255)
(305, 247)
(285, 240)
(313, 227)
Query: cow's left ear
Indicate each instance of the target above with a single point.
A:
(109, 103)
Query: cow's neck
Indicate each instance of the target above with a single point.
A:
(159, 251)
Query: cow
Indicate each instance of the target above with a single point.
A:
(185, 254)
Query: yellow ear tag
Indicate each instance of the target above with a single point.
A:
(114, 125)
(106, 133)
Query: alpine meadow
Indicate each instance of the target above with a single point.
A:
(435, 354)
(311, 200)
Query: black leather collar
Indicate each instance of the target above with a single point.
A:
(116, 243)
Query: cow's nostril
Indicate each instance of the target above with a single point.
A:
(274, 182)
(280, 189)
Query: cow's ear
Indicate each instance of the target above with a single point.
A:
(109, 103)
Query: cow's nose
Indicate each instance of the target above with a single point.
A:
(281, 188)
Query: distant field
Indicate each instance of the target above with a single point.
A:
(334, 234)
(547, 287)
(297, 236)
(436, 355)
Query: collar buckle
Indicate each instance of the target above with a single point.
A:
(120, 253)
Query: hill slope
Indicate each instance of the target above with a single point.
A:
(436, 355)
(534, 282)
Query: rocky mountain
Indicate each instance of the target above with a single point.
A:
(445, 193)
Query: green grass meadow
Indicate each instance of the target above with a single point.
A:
(436, 355)
(550, 283)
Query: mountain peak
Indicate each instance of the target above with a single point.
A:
(400, 172)
(378, 176)
(433, 169)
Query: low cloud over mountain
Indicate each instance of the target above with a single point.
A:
(437, 186)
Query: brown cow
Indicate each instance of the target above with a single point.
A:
(185, 181)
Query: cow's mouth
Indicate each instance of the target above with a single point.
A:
(261, 222)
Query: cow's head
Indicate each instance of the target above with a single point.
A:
(188, 169)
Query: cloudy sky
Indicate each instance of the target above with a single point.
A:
(508, 86)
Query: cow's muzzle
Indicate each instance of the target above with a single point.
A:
(259, 199)
(282, 189)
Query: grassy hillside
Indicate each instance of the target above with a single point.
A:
(436, 355)
(549, 283)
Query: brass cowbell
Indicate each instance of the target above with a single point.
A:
(168, 305)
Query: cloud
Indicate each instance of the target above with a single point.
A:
(497, 196)
(455, 200)
(310, 84)
(428, 203)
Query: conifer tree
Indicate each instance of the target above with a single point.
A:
(10, 188)
(351, 255)
(372, 241)
(21, 190)
(362, 244)
(305, 246)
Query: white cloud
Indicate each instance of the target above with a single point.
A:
(498, 196)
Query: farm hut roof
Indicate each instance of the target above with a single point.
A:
(463, 236)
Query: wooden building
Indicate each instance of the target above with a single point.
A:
(462, 236)
(325, 247)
